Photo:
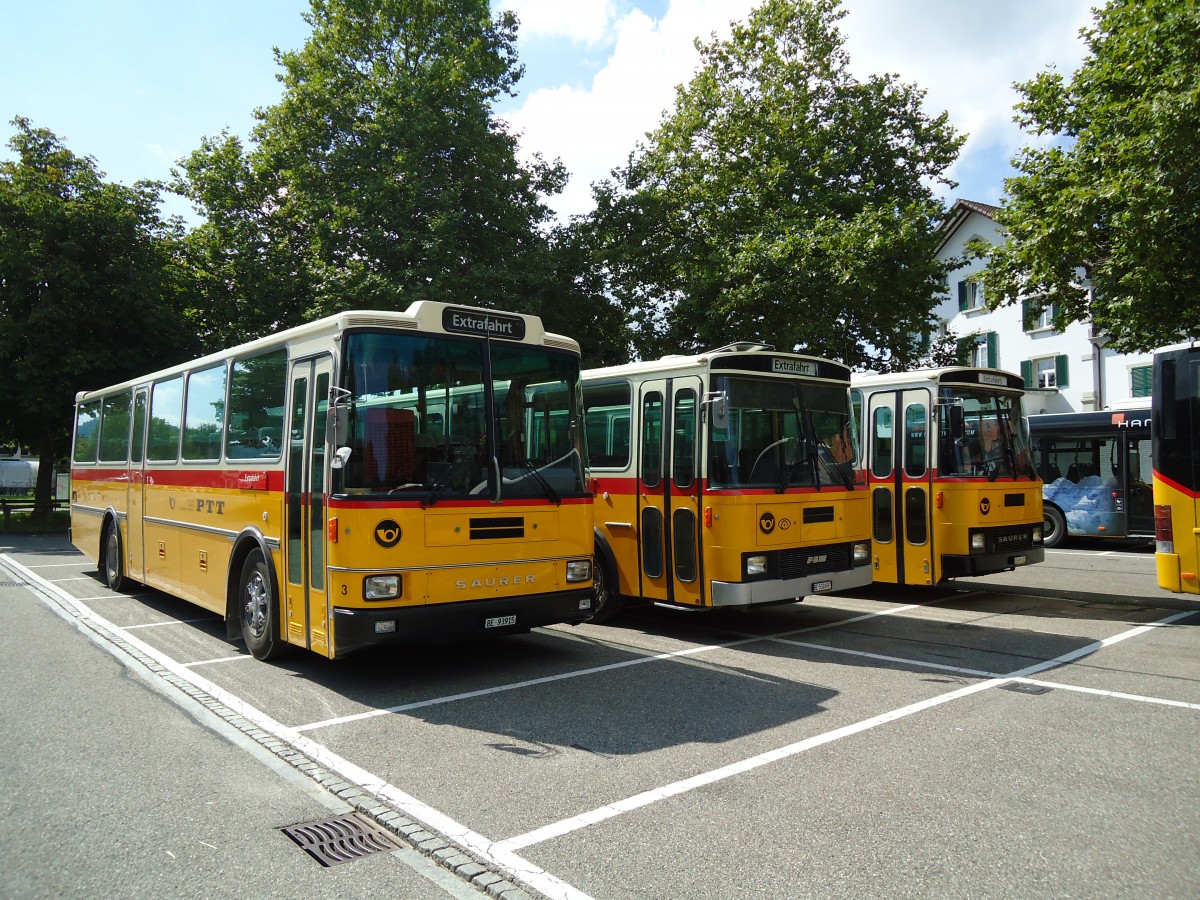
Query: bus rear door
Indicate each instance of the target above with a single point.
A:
(669, 491)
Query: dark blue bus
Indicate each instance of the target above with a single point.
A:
(1096, 472)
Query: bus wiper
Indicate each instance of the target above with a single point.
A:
(837, 472)
(546, 486)
(440, 485)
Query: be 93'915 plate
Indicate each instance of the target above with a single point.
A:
(499, 621)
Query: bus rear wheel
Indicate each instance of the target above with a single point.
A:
(1054, 526)
(114, 565)
(258, 610)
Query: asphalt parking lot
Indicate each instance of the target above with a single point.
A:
(1027, 737)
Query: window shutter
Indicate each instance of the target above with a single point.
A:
(993, 349)
(1026, 323)
(1061, 370)
(1140, 378)
(1027, 372)
(964, 301)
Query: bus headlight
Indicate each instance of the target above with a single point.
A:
(1037, 534)
(861, 554)
(381, 587)
(756, 565)
(978, 545)
(579, 570)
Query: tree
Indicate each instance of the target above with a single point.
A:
(1104, 220)
(89, 290)
(381, 176)
(782, 200)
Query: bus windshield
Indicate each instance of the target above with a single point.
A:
(425, 422)
(982, 433)
(779, 434)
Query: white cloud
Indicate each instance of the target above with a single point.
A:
(581, 21)
(966, 57)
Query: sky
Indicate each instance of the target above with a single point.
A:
(137, 84)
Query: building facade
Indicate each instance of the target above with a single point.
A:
(1065, 371)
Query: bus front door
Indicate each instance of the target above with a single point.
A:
(668, 487)
(306, 600)
(898, 463)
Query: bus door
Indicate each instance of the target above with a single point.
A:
(668, 486)
(135, 550)
(899, 464)
(306, 608)
(1136, 482)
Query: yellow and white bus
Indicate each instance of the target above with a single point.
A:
(1176, 450)
(724, 479)
(366, 478)
(954, 489)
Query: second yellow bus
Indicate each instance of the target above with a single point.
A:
(724, 479)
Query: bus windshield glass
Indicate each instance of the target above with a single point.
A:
(780, 433)
(982, 433)
(424, 422)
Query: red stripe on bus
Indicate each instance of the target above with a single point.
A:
(229, 479)
(1193, 493)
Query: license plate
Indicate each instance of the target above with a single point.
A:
(499, 621)
(1018, 560)
(819, 586)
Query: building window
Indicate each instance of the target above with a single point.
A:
(1139, 377)
(1034, 319)
(970, 295)
(980, 350)
(1048, 373)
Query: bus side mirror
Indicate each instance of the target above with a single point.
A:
(718, 405)
(338, 425)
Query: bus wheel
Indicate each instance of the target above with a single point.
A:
(606, 602)
(114, 566)
(1054, 526)
(258, 610)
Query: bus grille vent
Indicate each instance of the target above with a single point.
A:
(340, 840)
(504, 528)
(798, 562)
(1011, 539)
(815, 514)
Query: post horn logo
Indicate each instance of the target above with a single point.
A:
(985, 506)
(766, 523)
(387, 533)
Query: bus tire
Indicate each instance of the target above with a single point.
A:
(114, 564)
(606, 602)
(258, 609)
(1054, 526)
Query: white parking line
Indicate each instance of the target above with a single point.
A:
(219, 659)
(1117, 695)
(574, 823)
(518, 685)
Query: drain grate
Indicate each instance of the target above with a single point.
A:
(340, 840)
(1021, 688)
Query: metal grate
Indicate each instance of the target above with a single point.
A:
(797, 562)
(340, 840)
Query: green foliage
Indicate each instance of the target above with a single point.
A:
(782, 200)
(380, 177)
(1112, 188)
(89, 283)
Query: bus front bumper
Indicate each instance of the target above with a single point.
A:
(777, 590)
(354, 629)
(954, 566)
